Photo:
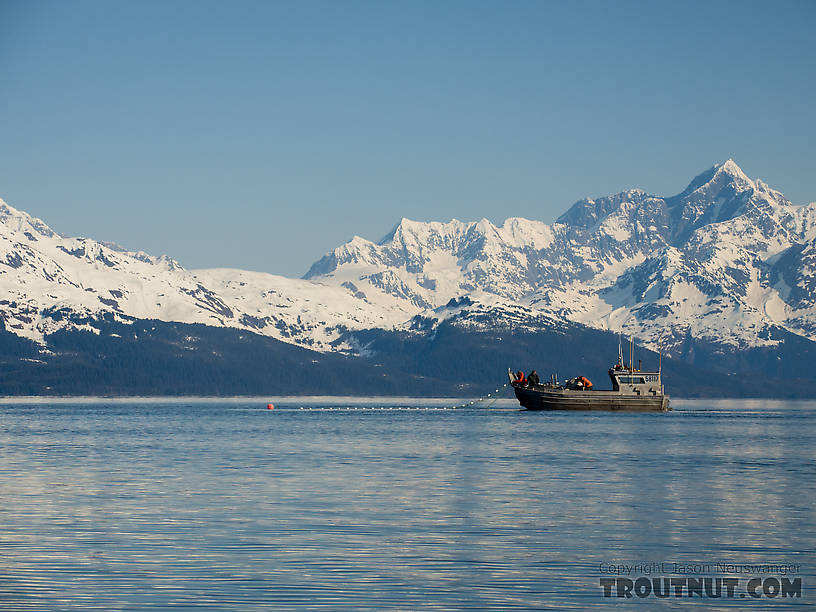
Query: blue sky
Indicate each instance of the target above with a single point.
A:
(260, 135)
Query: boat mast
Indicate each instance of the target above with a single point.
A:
(660, 359)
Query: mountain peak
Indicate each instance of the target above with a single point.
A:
(403, 226)
(20, 221)
(730, 168)
(716, 177)
(409, 231)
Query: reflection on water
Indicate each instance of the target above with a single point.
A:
(228, 506)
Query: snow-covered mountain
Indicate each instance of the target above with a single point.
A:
(49, 282)
(727, 261)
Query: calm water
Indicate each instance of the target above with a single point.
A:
(229, 506)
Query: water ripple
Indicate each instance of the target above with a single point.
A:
(187, 505)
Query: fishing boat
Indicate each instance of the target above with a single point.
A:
(632, 390)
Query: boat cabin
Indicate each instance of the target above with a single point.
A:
(635, 382)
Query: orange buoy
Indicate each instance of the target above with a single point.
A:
(270, 406)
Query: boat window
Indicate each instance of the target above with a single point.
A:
(631, 380)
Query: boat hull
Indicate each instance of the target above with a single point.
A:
(568, 399)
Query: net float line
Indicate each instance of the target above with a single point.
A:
(494, 395)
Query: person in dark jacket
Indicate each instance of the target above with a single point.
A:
(532, 379)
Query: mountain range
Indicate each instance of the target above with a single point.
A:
(722, 276)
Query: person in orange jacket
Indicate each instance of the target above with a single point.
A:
(585, 382)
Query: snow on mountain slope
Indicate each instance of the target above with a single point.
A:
(307, 313)
(727, 260)
(45, 277)
(425, 264)
(718, 285)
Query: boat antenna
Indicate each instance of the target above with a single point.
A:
(631, 353)
(660, 359)
(620, 351)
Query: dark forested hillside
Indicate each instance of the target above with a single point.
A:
(160, 358)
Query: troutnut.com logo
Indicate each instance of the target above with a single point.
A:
(709, 580)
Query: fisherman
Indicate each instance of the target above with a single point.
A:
(520, 380)
(533, 379)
